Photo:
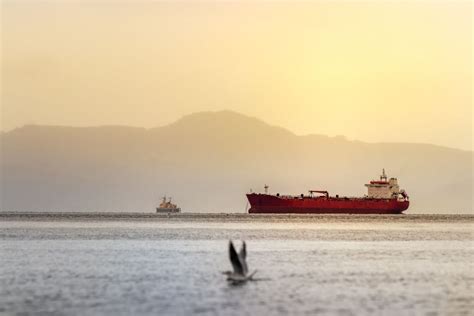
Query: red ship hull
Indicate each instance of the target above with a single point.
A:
(266, 203)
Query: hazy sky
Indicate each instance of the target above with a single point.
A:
(374, 71)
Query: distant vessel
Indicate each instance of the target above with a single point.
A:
(383, 197)
(167, 207)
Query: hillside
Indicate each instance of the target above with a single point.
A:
(207, 161)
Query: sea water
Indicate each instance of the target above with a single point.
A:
(116, 264)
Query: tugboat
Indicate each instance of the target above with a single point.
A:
(384, 196)
(167, 207)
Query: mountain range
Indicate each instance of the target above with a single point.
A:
(207, 161)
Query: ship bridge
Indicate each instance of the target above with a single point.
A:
(384, 188)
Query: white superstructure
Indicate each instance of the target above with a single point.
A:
(383, 189)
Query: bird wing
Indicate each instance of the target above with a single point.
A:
(243, 257)
(235, 260)
(243, 251)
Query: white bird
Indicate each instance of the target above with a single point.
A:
(239, 263)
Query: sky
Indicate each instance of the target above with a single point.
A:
(377, 71)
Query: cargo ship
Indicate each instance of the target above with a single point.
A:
(167, 207)
(383, 197)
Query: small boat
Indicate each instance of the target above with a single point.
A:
(167, 207)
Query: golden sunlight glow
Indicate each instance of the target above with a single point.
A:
(374, 71)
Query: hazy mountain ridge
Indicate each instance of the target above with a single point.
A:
(207, 161)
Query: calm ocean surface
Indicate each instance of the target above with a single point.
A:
(82, 264)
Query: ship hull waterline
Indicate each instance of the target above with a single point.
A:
(168, 210)
(270, 204)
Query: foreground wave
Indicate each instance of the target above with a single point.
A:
(148, 264)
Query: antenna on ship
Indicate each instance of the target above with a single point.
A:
(383, 176)
(266, 188)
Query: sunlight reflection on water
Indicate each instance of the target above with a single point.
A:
(174, 267)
